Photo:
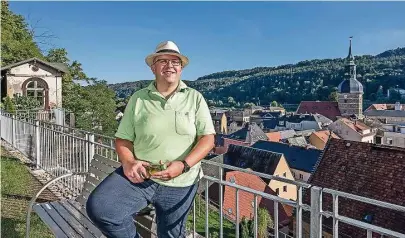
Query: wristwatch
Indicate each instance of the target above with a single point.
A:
(186, 167)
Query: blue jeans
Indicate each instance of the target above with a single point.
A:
(113, 202)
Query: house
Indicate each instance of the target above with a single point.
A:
(328, 109)
(391, 134)
(385, 106)
(239, 115)
(353, 130)
(391, 114)
(34, 78)
(363, 169)
(303, 122)
(248, 135)
(320, 138)
(266, 162)
(246, 199)
(220, 121)
(250, 158)
(301, 160)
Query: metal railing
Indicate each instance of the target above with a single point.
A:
(60, 150)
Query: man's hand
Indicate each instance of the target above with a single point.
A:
(135, 170)
(174, 169)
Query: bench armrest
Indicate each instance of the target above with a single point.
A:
(27, 235)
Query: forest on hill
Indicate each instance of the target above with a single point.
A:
(307, 80)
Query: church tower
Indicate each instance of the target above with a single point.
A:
(350, 90)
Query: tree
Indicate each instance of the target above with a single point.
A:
(395, 96)
(274, 104)
(380, 94)
(17, 42)
(248, 105)
(231, 101)
(265, 221)
(9, 105)
(333, 96)
(95, 108)
(244, 228)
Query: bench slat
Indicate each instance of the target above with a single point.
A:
(57, 231)
(76, 225)
(93, 181)
(69, 231)
(102, 165)
(97, 172)
(82, 218)
(110, 162)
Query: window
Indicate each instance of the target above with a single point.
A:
(277, 191)
(284, 188)
(301, 176)
(284, 174)
(36, 90)
(389, 141)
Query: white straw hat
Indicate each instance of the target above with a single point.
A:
(166, 48)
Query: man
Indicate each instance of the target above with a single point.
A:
(169, 122)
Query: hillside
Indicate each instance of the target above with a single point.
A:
(292, 83)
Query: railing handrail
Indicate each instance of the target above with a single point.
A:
(262, 175)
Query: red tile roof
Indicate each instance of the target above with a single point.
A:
(364, 169)
(357, 126)
(274, 136)
(246, 199)
(324, 135)
(325, 108)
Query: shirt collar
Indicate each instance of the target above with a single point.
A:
(180, 88)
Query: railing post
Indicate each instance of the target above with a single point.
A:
(13, 136)
(37, 144)
(299, 213)
(91, 150)
(316, 216)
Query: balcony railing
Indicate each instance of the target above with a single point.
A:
(59, 150)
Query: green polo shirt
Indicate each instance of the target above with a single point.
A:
(166, 130)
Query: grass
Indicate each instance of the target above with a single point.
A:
(16, 191)
(213, 219)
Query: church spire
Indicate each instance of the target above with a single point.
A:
(351, 66)
(350, 56)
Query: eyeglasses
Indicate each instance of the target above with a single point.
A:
(166, 61)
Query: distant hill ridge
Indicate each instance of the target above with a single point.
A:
(292, 83)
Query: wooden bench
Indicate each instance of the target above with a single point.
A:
(68, 218)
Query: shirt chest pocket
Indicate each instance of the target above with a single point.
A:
(184, 123)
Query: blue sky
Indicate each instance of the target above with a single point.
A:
(111, 39)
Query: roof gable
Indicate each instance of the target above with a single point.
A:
(250, 133)
(57, 66)
(297, 157)
(247, 157)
